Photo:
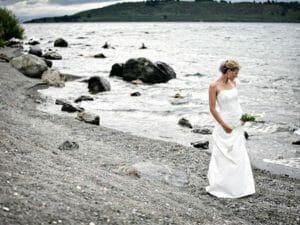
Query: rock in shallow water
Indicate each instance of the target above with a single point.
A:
(145, 70)
(135, 94)
(185, 123)
(53, 78)
(84, 98)
(60, 42)
(98, 84)
(52, 55)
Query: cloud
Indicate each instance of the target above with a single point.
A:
(9, 2)
(30, 9)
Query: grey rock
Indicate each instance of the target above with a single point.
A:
(246, 135)
(61, 102)
(185, 123)
(84, 98)
(98, 84)
(14, 43)
(117, 70)
(29, 65)
(135, 94)
(9, 53)
(33, 42)
(296, 142)
(53, 78)
(146, 71)
(67, 107)
(201, 144)
(35, 50)
(52, 55)
(202, 131)
(100, 55)
(143, 46)
(60, 42)
(68, 145)
(48, 62)
(88, 118)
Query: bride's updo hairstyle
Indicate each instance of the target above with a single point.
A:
(229, 65)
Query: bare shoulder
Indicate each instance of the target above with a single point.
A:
(213, 86)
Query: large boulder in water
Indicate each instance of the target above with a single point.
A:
(29, 65)
(60, 42)
(144, 70)
(98, 84)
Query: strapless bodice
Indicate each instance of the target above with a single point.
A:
(229, 106)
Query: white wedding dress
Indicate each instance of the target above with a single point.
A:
(229, 173)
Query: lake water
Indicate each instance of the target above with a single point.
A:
(269, 81)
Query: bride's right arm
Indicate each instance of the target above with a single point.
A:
(212, 93)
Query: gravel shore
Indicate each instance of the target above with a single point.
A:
(113, 177)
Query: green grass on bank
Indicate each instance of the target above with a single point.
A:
(9, 26)
(187, 11)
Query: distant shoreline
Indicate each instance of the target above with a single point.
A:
(171, 11)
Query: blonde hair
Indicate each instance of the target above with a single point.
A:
(229, 65)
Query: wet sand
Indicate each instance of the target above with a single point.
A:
(94, 184)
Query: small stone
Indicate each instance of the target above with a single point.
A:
(68, 145)
(201, 144)
(185, 123)
(134, 173)
(78, 187)
(100, 55)
(66, 107)
(202, 131)
(296, 142)
(6, 209)
(91, 223)
(84, 98)
(60, 102)
(88, 118)
(135, 94)
(246, 135)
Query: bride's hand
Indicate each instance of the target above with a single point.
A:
(227, 128)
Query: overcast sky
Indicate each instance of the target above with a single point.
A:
(28, 9)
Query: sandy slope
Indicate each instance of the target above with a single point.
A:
(40, 184)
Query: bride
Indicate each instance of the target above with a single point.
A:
(229, 173)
